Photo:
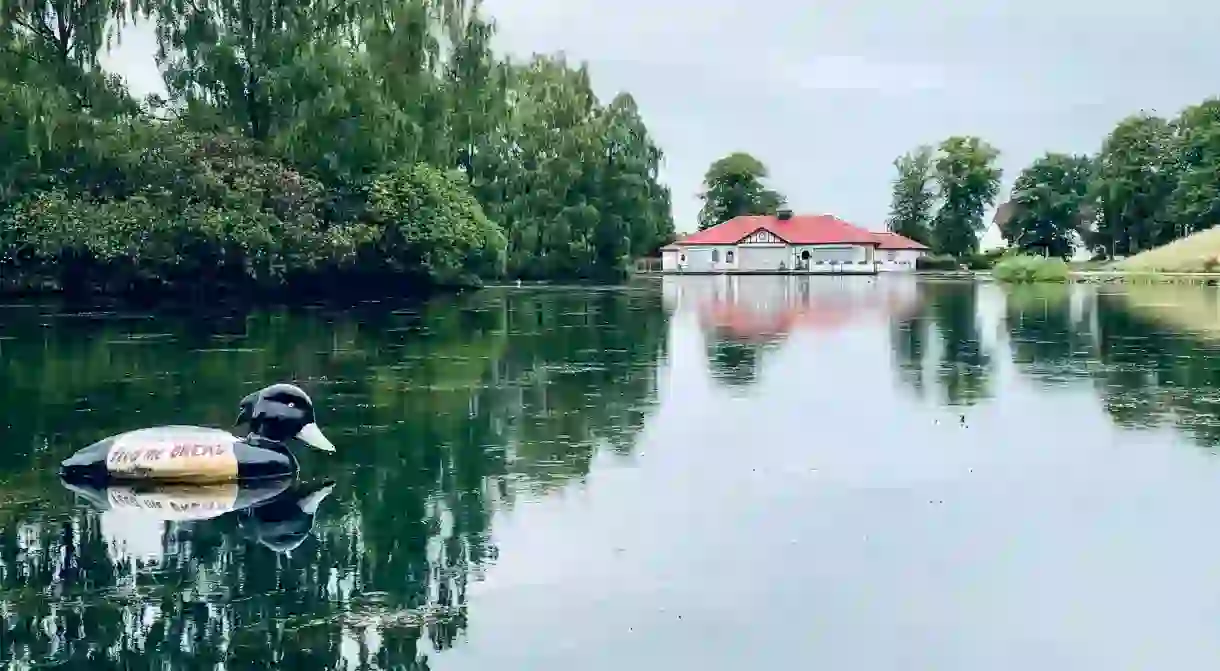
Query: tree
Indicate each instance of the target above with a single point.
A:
(429, 224)
(1135, 174)
(968, 182)
(913, 199)
(287, 125)
(732, 187)
(55, 44)
(1047, 204)
(1194, 202)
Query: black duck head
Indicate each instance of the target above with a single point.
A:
(281, 412)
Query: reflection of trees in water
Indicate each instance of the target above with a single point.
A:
(1046, 340)
(963, 372)
(439, 412)
(946, 336)
(735, 362)
(1145, 373)
(1152, 373)
(910, 338)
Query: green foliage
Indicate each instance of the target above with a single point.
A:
(732, 187)
(913, 199)
(171, 209)
(984, 260)
(1019, 269)
(968, 182)
(940, 195)
(1047, 202)
(291, 156)
(1194, 203)
(1135, 176)
(937, 262)
(429, 224)
(1154, 181)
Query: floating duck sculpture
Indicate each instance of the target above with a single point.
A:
(278, 513)
(277, 416)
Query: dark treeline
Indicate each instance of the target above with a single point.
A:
(1152, 180)
(443, 414)
(377, 144)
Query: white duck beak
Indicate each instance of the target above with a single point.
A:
(309, 504)
(313, 437)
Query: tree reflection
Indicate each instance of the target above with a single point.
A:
(963, 372)
(943, 337)
(1144, 349)
(1047, 340)
(735, 363)
(440, 413)
(910, 337)
(1153, 372)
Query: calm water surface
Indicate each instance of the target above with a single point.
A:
(711, 473)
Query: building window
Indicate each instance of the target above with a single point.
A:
(715, 256)
(728, 257)
(805, 255)
(893, 256)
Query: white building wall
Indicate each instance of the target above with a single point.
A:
(723, 258)
(835, 258)
(898, 260)
(695, 259)
(707, 258)
(764, 257)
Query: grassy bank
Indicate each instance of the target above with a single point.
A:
(1196, 253)
(1030, 269)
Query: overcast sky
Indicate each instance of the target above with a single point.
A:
(828, 93)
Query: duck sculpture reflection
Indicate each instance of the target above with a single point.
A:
(277, 416)
(278, 513)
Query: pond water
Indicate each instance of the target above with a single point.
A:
(699, 472)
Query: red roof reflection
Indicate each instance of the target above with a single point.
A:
(747, 320)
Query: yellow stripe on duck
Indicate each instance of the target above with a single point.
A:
(277, 416)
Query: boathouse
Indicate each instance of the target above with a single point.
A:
(897, 253)
(786, 244)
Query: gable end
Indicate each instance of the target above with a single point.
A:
(762, 236)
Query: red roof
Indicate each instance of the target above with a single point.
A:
(821, 229)
(889, 240)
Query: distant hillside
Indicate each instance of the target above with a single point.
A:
(1194, 253)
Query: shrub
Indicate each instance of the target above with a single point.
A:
(936, 262)
(431, 225)
(1024, 269)
(985, 260)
